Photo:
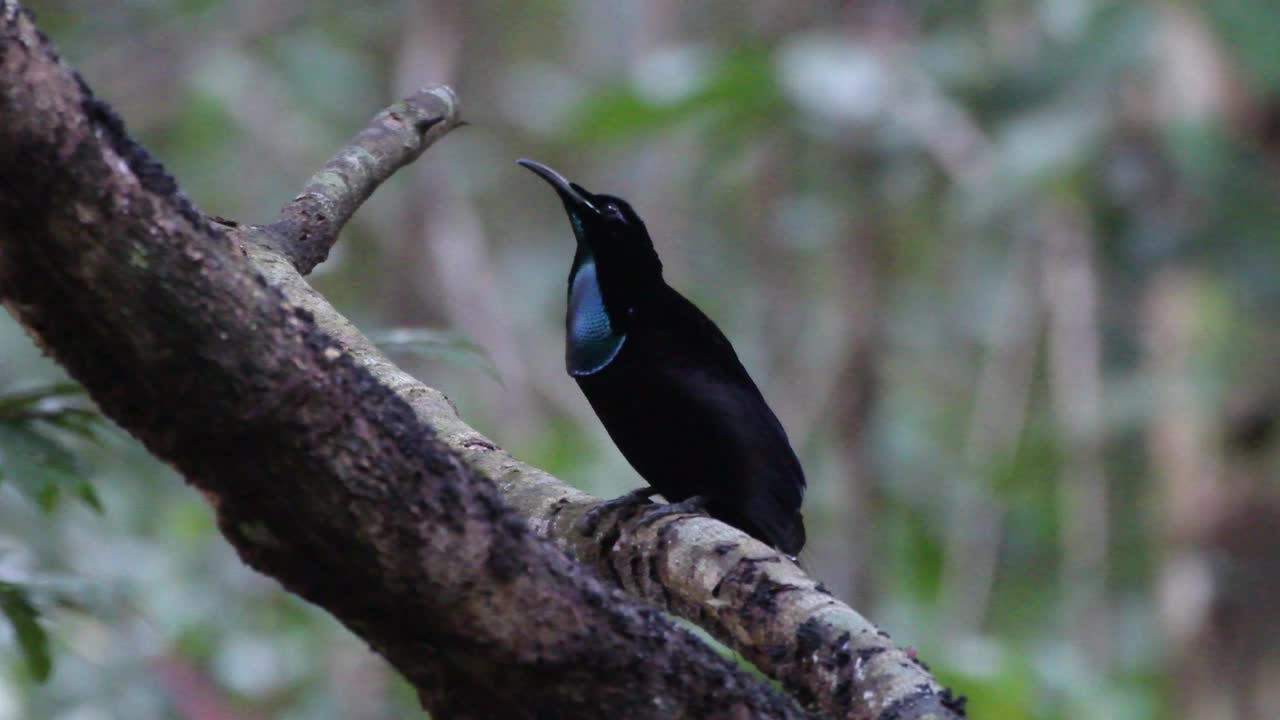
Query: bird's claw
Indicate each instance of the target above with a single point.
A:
(591, 520)
(690, 506)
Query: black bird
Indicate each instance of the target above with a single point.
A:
(667, 384)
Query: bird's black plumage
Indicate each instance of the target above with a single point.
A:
(666, 383)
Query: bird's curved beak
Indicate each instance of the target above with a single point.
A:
(572, 194)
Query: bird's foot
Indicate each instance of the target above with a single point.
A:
(591, 520)
(689, 506)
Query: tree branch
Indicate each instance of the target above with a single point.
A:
(310, 223)
(356, 486)
(746, 594)
(321, 476)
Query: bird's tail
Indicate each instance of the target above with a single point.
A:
(786, 533)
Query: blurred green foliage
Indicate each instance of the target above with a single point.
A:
(25, 621)
(775, 150)
(37, 458)
(36, 429)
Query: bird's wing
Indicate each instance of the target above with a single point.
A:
(726, 402)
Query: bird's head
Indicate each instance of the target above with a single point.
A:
(608, 230)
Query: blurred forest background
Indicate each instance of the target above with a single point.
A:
(1006, 270)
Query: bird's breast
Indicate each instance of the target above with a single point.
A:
(591, 342)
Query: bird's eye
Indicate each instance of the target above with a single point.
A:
(613, 210)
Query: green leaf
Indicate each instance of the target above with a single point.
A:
(437, 345)
(25, 619)
(89, 496)
(17, 404)
(80, 422)
(38, 466)
(60, 405)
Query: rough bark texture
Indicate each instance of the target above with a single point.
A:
(322, 477)
(357, 487)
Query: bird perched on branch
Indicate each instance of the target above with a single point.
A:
(666, 383)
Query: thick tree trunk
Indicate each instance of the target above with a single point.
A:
(357, 487)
